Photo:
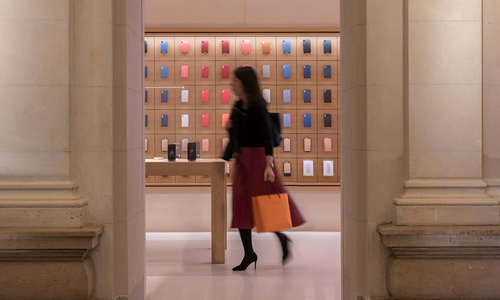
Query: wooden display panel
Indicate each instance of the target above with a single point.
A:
(293, 72)
(150, 153)
(260, 72)
(150, 55)
(191, 129)
(218, 71)
(191, 104)
(219, 151)
(191, 79)
(300, 177)
(165, 82)
(280, 104)
(211, 48)
(232, 48)
(191, 48)
(211, 73)
(272, 48)
(211, 99)
(279, 164)
(331, 179)
(271, 106)
(280, 152)
(321, 123)
(218, 121)
(279, 46)
(149, 81)
(211, 121)
(170, 55)
(300, 48)
(170, 104)
(171, 121)
(334, 80)
(321, 149)
(301, 65)
(300, 97)
(218, 97)
(293, 115)
(239, 54)
(211, 153)
(321, 99)
(150, 104)
(335, 48)
(158, 139)
(300, 145)
(151, 121)
(314, 123)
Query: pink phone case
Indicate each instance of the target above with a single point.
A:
(184, 71)
(225, 46)
(205, 96)
(184, 47)
(204, 120)
(225, 118)
(245, 46)
(204, 72)
(246, 66)
(225, 96)
(225, 71)
(204, 46)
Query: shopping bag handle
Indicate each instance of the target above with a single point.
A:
(269, 192)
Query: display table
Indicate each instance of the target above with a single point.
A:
(216, 168)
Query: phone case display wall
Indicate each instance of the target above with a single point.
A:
(188, 97)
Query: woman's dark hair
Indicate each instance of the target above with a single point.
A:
(251, 85)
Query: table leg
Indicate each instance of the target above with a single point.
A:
(219, 217)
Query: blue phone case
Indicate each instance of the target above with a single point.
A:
(287, 120)
(164, 71)
(307, 96)
(146, 96)
(307, 120)
(327, 46)
(287, 47)
(145, 46)
(286, 96)
(327, 71)
(164, 96)
(164, 47)
(164, 120)
(145, 71)
(286, 71)
(307, 71)
(307, 46)
(146, 121)
(327, 96)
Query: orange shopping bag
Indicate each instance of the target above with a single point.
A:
(271, 212)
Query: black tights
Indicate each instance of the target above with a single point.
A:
(246, 239)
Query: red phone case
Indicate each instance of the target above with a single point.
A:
(205, 96)
(225, 96)
(204, 72)
(184, 71)
(225, 71)
(204, 46)
(225, 46)
(204, 120)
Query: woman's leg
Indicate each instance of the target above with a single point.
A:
(283, 238)
(246, 240)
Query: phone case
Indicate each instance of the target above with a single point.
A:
(145, 71)
(184, 71)
(266, 93)
(225, 118)
(328, 168)
(225, 71)
(327, 96)
(287, 120)
(145, 145)
(266, 71)
(164, 47)
(146, 96)
(184, 145)
(225, 46)
(308, 168)
(287, 145)
(184, 47)
(185, 121)
(327, 120)
(164, 145)
(287, 96)
(266, 47)
(307, 96)
(307, 120)
(146, 121)
(204, 72)
(205, 145)
(245, 65)
(204, 120)
(145, 46)
(225, 141)
(327, 144)
(327, 71)
(307, 71)
(327, 46)
(287, 47)
(307, 145)
(205, 96)
(287, 169)
(306, 46)
(164, 120)
(245, 46)
(225, 96)
(164, 96)
(185, 96)
(204, 46)
(286, 71)
(164, 71)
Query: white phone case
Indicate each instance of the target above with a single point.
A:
(308, 166)
(266, 93)
(266, 71)
(185, 121)
(164, 145)
(185, 96)
(328, 168)
(205, 145)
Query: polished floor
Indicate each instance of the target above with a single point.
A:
(178, 267)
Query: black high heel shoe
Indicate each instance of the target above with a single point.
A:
(284, 239)
(246, 262)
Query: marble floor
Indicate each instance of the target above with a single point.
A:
(178, 267)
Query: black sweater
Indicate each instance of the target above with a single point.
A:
(252, 128)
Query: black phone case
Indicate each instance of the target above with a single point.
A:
(327, 71)
(327, 95)
(164, 120)
(307, 46)
(164, 96)
(146, 96)
(146, 121)
(328, 120)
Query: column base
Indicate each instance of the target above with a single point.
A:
(442, 262)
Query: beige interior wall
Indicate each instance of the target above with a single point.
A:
(242, 13)
(34, 89)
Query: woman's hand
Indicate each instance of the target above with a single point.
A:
(229, 124)
(269, 174)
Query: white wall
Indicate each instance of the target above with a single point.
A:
(242, 13)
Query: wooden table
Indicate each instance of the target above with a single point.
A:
(216, 168)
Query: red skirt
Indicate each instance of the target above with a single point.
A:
(249, 182)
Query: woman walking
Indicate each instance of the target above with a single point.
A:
(251, 144)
